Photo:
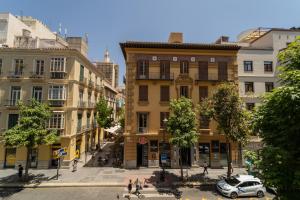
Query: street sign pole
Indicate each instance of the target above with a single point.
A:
(58, 165)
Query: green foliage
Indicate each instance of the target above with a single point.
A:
(104, 113)
(277, 121)
(31, 129)
(182, 123)
(226, 108)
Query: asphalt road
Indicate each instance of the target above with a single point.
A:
(101, 193)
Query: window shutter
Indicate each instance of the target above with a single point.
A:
(222, 71)
(143, 93)
(164, 93)
(203, 70)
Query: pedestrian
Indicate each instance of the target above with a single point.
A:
(75, 165)
(137, 186)
(129, 187)
(205, 165)
(20, 171)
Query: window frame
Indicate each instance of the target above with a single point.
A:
(58, 64)
(247, 86)
(143, 93)
(268, 66)
(164, 93)
(248, 66)
(142, 123)
(184, 69)
(181, 88)
(268, 85)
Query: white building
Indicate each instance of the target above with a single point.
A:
(257, 60)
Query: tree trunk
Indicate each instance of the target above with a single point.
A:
(27, 163)
(240, 155)
(180, 163)
(228, 158)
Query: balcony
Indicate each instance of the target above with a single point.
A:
(142, 130)
(57, 102)
(83, 81)
(37, 75)
(15, 74)
(91, 84)
(212, 77)
(155, 76)
(58, 75)
(81, 104)
(11, 102)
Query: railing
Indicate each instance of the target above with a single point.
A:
(142, 130)
(91, 83)
(15, 74)
(58, 75)
(57, 102)
(83, 81)
(37, 75)
(211, 77)
(81, 129)
(155, 76)
(11, 102)
(81, 104)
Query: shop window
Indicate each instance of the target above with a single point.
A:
(153, 146)
(215, 146)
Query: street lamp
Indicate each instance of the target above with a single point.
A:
(162, 177)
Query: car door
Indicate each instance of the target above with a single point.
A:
(244, 189)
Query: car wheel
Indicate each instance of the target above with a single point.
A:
(234, 195)
(260, 194)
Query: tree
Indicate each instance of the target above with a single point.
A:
(182, 125)
(277, 121)
(227, 109)
(31, 130)
(104, 114)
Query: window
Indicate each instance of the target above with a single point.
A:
(80, 95)
(15, 95)
(81, 75)
(57, 92)
(37, 93)
(56, 121)
(142, 69)
(268, 66)
(184, 67)
(12, 120)
(203, 70)
(153, 146)
(164, 69)
(204, 122)
(142, 122)
(39, 67)
(88, 120)
(222, 71)
(79, 121)
(269, 86)
(248, 66)
(163, 115)
(184, 91)
(215, 146)
(249, 87)
(164, 93)
(250, 106)
(0, 66)
(58, 64)
(143, 93)
(203, 92)
(19, 65)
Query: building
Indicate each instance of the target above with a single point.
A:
(58, 74)
(159, 71)
(109, 69)
(257, 61)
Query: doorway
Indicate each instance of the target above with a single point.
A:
(10, 157)
(33, 155)
(186, 157)
(142, 155)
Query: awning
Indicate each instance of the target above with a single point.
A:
(114, 129)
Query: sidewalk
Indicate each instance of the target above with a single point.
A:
(110, 177)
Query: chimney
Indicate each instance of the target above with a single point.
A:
(222, 39)
(175, 37)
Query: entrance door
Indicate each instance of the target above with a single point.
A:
(204, 153)
(142, 155)
(10, 157)
(33, 158)
(166, 149)
(186, 157)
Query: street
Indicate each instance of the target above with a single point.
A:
(104, 193)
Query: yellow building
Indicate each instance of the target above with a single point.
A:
(157, 72)
(66, 80)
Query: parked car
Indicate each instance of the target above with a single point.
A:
(241, 185)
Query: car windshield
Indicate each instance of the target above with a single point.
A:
(232, 181)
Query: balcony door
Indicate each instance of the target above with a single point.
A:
(222, 71)
(203, 71)
(37, 93)
(15, 95)
(39, 67)
(164, 69)
(142, 69)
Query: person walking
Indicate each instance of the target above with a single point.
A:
(137, 187)
(75, 165)
(129, 187)
(20, 171)
(205, 166)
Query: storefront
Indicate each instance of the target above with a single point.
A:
(54, 155)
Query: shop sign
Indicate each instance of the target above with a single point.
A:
(142, 140)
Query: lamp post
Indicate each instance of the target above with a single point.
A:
(162, 177)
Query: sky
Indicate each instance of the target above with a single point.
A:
(108, 22)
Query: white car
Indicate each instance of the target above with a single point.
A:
(241, 185)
